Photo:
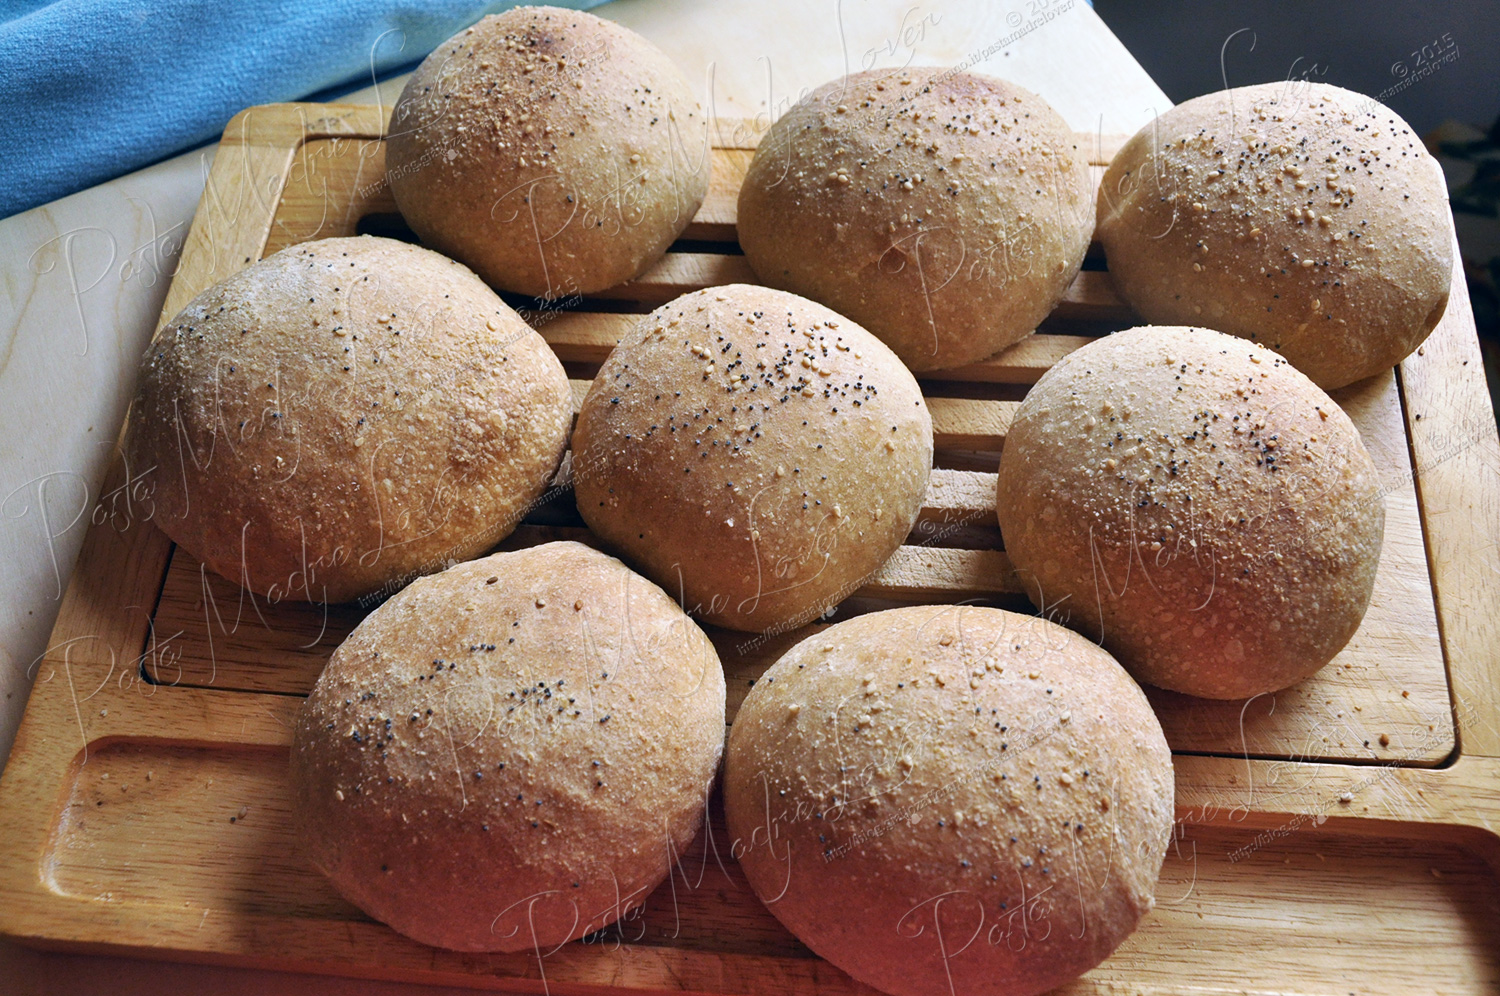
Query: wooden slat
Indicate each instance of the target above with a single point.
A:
(715, 220)
(210, 634)
(1090, 297)
(334, 182)
(1388, 682)
(1023, 363)
(959, 497)
(966, 424)
(957, 423)
(580, 389)
(913, 572)
(585, 336)
(337, 180)
(679, 273)
(1451, 425)
(588, 337)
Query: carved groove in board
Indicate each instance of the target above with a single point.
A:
(144, 807)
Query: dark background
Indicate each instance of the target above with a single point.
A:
(1349, 44)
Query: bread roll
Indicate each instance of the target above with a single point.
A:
(946, 212)
(506, 756)
(554, 152)
(945, 798)
(1196, 503)
(1300, 215)
(342, 416)
(754, 453)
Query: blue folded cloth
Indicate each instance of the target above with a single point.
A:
(92, 89)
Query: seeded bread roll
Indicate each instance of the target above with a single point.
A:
(342, 416)
(1300, 215)
(555, 152)
(754, 453)
(945, 212)
(945, 798)
(1196, 503)
(504, 756)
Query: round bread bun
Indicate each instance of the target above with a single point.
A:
(555, 152)
(754, 453)
(1300, 215)
(1195, 503)
(505, 756)
(946, 798)
(344, 415)
(946, 212)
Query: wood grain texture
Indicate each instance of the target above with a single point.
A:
(1451, 426)
(145, 808)
(1090, 297)
(107, 608)
(588, 336)
(174, 837)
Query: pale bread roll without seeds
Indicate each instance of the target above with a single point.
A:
(519, 744)
(951, 777)
(553, 151)
(1198, 504)
(946, 212)
(756, 454)
(344, 415)
(1300, 215)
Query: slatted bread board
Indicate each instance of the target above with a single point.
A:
(1340, 835)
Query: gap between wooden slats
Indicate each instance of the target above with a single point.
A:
(355, 175)
(204, 620)
(332, 184)
(588, 337)
(957, 423)
(1090, 297)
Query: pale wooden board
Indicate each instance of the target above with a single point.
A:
(1408, 854)
(179, 840)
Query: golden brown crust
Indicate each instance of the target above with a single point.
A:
(951, 777)
(344, 415)
(468, 790)
(555, 152)
(945, 212)
(1300, 215)
(1198, 503)
(754, 453)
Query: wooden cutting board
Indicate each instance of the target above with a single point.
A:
(1336, 836)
